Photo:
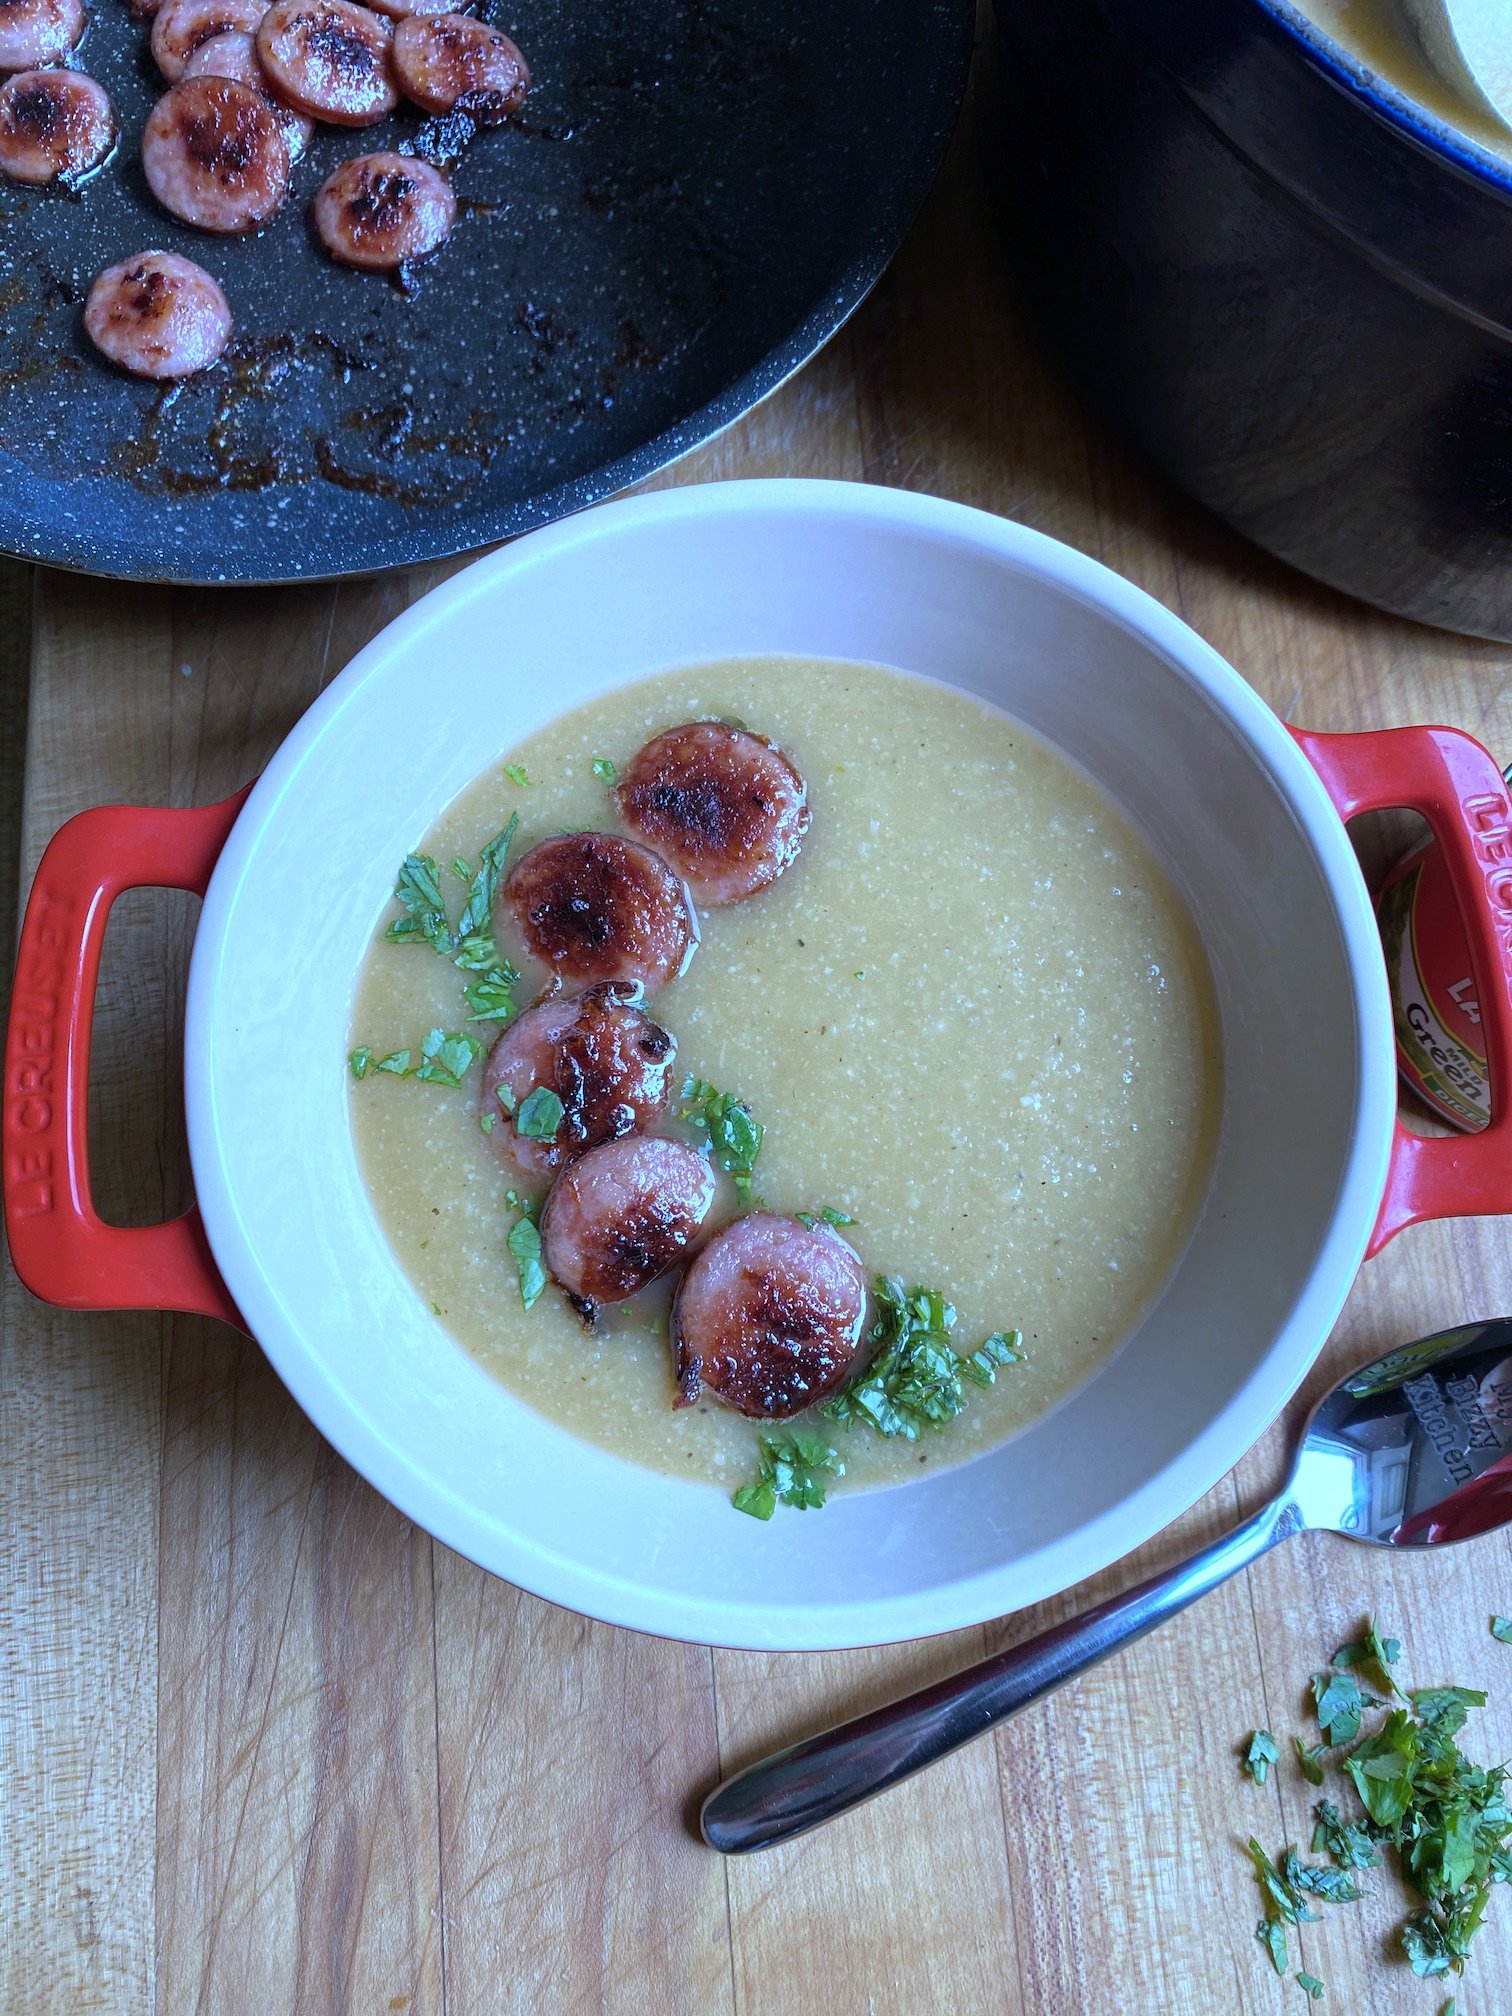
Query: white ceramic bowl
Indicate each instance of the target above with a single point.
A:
(843, 571)
(1217, 785)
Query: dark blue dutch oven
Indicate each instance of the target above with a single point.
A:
(1291, 289)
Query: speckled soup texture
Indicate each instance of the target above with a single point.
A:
(974, 1015)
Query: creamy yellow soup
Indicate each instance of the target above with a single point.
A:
(973, 1016)
(1378, 34)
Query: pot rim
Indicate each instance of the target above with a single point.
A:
(1088, 1549)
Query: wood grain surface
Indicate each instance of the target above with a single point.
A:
(267, 1748)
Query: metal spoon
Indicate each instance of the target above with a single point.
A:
(1411, 1451)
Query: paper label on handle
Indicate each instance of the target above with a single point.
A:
(1433, 999)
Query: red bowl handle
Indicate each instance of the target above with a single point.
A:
(61, 1249)
(1454, 783)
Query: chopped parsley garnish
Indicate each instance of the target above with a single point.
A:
(539, 1114)
(1373, 1652)
(734, 1133)
(359, 1060)
(518, 775)
(1260, 1756)
(470, 944)
(525, 1250)
(913, 1378)
(1449, 1820)
(605, 771)
(397, 1061)
(1501, 1627)
(447, 1057)
(1311, 1983)
(829, 1216)
(1307, 1760)
(1272, 1936)
(488, 1121)
(791, 1470)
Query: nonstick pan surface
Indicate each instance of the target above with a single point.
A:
(697, 194)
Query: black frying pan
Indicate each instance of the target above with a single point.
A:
(697, 195)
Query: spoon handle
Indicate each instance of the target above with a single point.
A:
(813, 1781)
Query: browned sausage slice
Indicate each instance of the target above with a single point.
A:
(180, 26)
(596, 907)
(329, 60)
(233, 54)
(34, 33)
(400, 10)
(55, 126)
(621, 1215)
(600, 1053)
(769, 1317)
(384, 210)
(445, 60)
(213, 154)
(726, 809)
(158, 316)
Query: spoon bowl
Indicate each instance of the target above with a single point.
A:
(1412, 1450)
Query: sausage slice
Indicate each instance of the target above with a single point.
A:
(329, 60)
(180, 26)
(769, 1318)
(34, 33)
(621, 1215)
(382, 211)
(55, 126)
(213, 155)
(233, 54)
(157, 316)
(596, 907)
(726, 809)
(442, 61)
(603, 1057)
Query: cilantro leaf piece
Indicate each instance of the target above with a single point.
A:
(1445, 1709)
(488, 1121)
(606, 773)
(735, 1135)
(397, 1061)
(1272, 1936)
(1003, 1347)
(1335, 1886)
(418, 893)
(1311, 1983)
(1281, 1900)
(525, 1249)
(483, 894)
(461, 868)
(1345, 1840)
(1307, 1762)
(1426, 1946)
(806, 1218)
(791, 1470)
(759, 1499)
(1501, 1628)
(1260, 1756)
(836, 1218)
(539, 1114)
(1448, 2008)
(1340, 1706)
(491, 999)
(1384, 1766)
(446, 1057)
(359, 1060)
(1375, 1653)
(518, 775)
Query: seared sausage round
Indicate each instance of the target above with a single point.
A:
(55, 126)
(621, 1215)
(233, 54)
(158, 316)
(726, 809)
(445, 60)
(769, 1317)
(329, 60)
(37, 32)
(180, 26)
(399, 10)
(602, 1055)
(596, 907)
(381, 211)
(213, 154)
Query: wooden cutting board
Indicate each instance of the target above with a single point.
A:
(269, 1749)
